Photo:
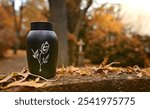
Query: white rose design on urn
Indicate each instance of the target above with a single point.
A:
(38, 54)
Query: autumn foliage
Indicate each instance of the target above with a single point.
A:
(6, 29)
(101, 30)
(107, 38)
(14, 25)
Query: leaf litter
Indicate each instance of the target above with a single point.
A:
(104, 71)
(23, 78)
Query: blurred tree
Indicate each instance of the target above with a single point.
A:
(103, 22)
(76, 15)
(73, 13)
(59, 17)
(7, 37)
(17, 24)
(5, 16)
(145, 40)
(16, 19)
(32, 11)
(106, 38)
(72, 23)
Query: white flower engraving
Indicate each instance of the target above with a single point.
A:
(45, 47)
(38, 54)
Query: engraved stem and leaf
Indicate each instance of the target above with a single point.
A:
(40, 53)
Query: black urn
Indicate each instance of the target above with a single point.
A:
(42, 49)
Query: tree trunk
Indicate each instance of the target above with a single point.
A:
(78, 27)
(16, 44)
(17, 25)
(82, 15)
(59, 18)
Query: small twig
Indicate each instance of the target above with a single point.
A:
(24, 70)
(112, 64)
(41, 77)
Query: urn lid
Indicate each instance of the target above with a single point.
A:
(41, 26)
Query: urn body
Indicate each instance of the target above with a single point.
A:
(42, 49)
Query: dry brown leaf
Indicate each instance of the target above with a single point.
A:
(26, 83)
(61, 70)
(129, 70)
(6, 78)
(117, 70)
(22, 80)
(16, 82)
(136, 68)
(106, 72)
(71, 69)
(24, 70)
(2, 77)
(139, 74)
(67, 70)
(129, 77)
(146, 71)
(147, 74)
(104, 61)
(14, 74)
(82, 72)
(37, 79)
(101, 72)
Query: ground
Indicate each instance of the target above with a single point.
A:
(13, 62)
(103, 77)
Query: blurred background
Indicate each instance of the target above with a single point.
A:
(88, 30)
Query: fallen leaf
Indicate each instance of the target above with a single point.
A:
(14, 74)
(146, 73)
(37, 79)
(6, 78)
(26, 83)
(2, 77)
(71, 69)
(139, 74)
(136, 68)
(104, 61)
(129, 77)
(82, 72)
(129, 70)
(99, 71)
